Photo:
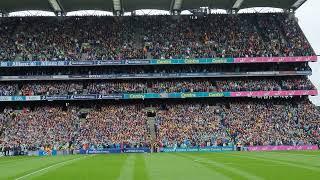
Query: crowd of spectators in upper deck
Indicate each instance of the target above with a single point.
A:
(158, 37)
(154, 86)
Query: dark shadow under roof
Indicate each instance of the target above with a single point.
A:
(130, 5)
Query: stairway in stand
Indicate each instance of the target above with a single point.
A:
(152, 128)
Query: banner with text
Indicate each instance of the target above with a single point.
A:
(275, 59)
(200, 149)
(274, 93)
(161, 95)
(282, 148)
(158, 61)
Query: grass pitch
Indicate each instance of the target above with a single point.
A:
(166, 166)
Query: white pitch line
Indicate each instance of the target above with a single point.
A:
(297, 154)
(54, 165)
(230, 168)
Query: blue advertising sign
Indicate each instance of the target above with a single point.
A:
(200, 149)
(45, 153)
(136, 150)
(115, 150)
(53, 98)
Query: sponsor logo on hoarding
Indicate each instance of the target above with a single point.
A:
(219, 60)
(26, 63)
(110, 96)
(83, 97)
(188, 95)
(282, 148)
(305, 92)
(18, 98)
(82, 62)
(164, 95)
(136, 96)
(4, 64)
(109, 62)
(5, 98)
(192, 61)
(164, 61)
(216, 95)
(33, 98)
(291, 93)
(55, 97)
(140, 61)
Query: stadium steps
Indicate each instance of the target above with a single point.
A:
(283, 33)
(138, 38)
(152, 128)
(149, 56)
(260, 31)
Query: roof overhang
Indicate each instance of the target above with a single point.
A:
(131, 5)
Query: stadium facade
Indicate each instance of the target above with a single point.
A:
(201, 82)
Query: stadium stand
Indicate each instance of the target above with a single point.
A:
(153, 37)
(213, 59)
(156, 86)
(179, 124)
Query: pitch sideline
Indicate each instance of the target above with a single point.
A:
(51, 166)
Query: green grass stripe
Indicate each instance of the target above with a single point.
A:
(4, 161)
(285, 160)
(222, 167)
(260, 168)
(49, 168)
(170, 166)
(28, 165)
(167, 166)
(309, 152)
(272, 168)
(307, 159)
(128, 168)
(140, 170)
(96, 167)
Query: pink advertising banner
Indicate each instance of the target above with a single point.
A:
(274, 93)
(282, 148)
(275, 59)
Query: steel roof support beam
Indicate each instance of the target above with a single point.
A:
(116, 5)
(56, 6)
(175, 7)
(237, 4)
(298, 3)
(176, 4)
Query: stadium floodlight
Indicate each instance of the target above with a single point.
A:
(298, 3)
(177, 4)
(237, 4)
(116, 5)
(55, 5)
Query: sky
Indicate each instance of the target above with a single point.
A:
(308, 15)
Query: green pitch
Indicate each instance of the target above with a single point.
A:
(166, 166)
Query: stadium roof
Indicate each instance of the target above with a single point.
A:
(131, 5)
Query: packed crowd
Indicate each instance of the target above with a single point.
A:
(251, 123)
(115, 127)
(165, 86)
(188, 125)
(8, 90)
(163, 69)
(59, 128)
(154, 86)
(114, 38)
(269, 123)
(184, 124)
(40, 127)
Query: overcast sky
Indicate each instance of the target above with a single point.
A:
(309, 20)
